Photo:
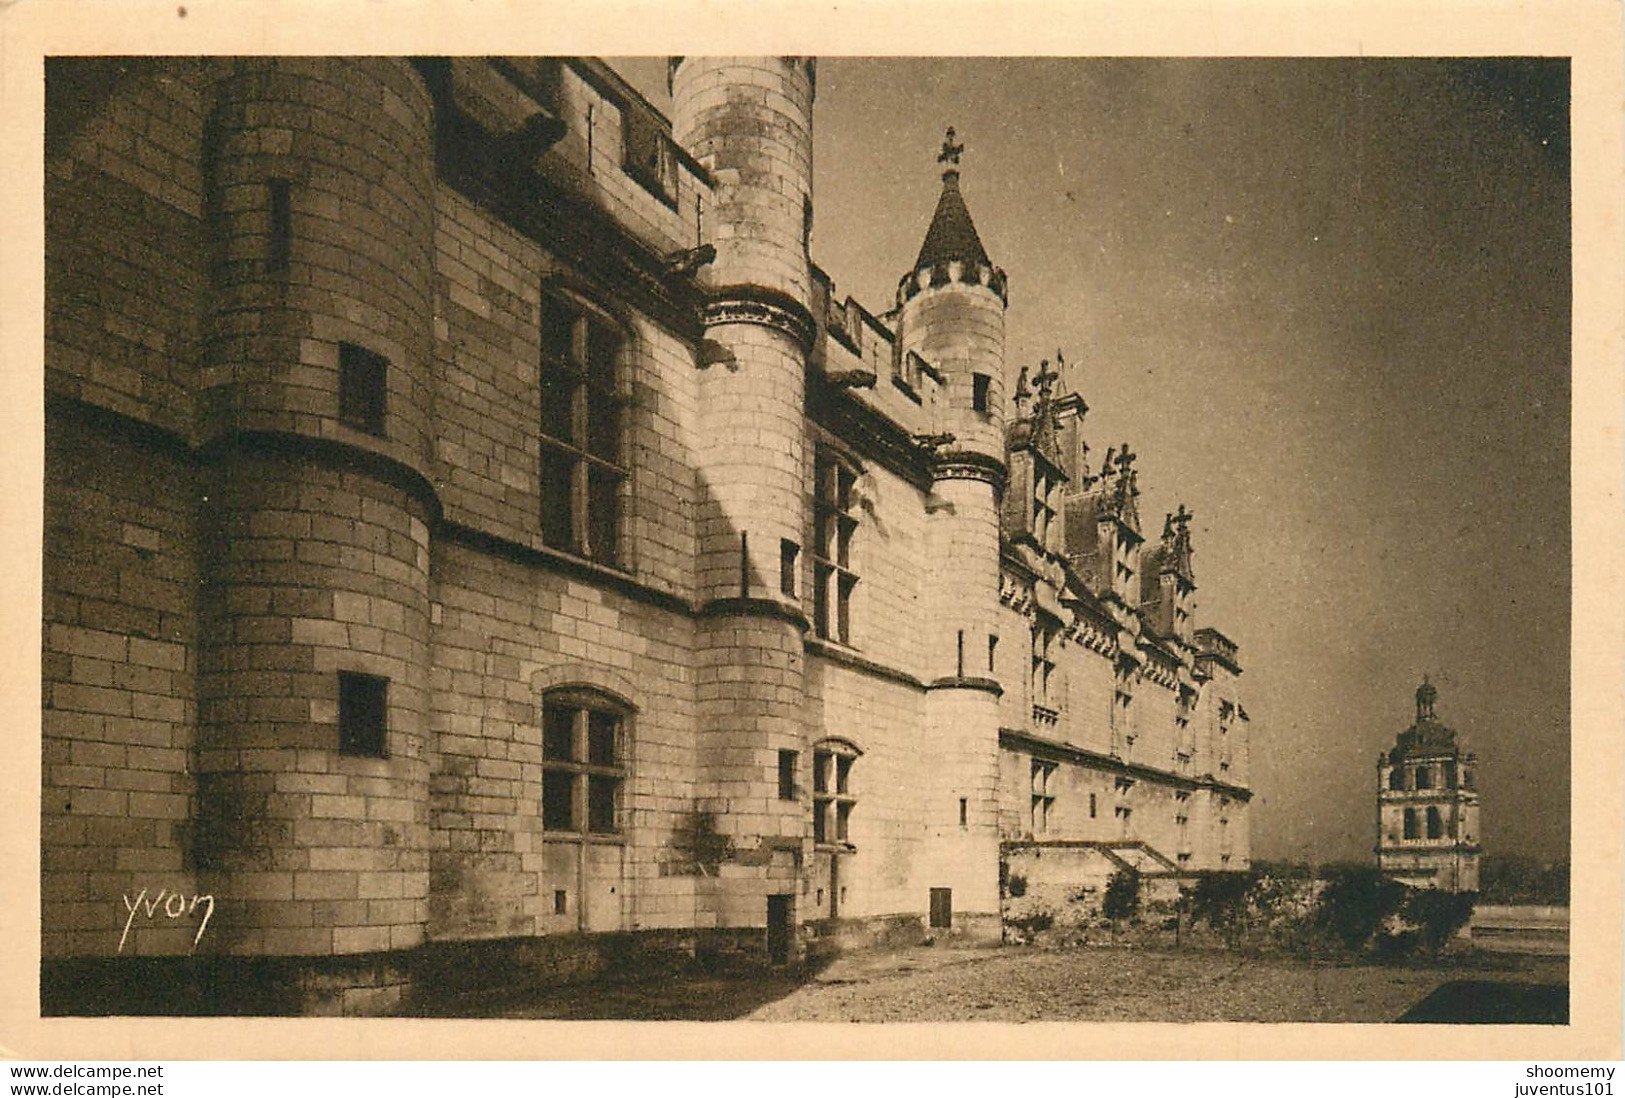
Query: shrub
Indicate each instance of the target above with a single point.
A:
(1016, 886)
(1437, 915)
(1033, 923)
(1122, 900)
(1221, 901)
(1355, 903)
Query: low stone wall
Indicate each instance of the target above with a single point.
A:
(1519, 928)
(827, 938)
(1065, 886)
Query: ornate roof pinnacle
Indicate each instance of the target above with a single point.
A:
(952, 251)
(950, 156)
(1426, 696)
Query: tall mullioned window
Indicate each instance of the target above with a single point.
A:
(834, 526)
(1043, 795)
(583, 420)
(1043, 675)
(583, 764)
(833, 795)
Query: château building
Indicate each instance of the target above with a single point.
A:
(481, 543)
(1427, 805)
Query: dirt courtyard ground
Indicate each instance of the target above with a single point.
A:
(1014, 984)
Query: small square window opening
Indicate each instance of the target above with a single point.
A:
(363, 714)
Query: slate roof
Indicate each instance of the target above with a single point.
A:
(952, 235)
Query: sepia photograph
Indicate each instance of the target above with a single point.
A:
(813, 538)
(493, 564)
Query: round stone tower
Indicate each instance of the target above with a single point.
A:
(951, 312)
(312, 828)
(749, 121)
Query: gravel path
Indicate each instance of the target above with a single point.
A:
(1105, 984)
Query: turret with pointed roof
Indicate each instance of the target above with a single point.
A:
(951, 314)
(952, 249)
(952, 236)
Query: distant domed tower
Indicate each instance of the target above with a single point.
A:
(1427, 805)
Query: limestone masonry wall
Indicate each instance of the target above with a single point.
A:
(481, 547)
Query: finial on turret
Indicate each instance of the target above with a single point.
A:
(1045, 380)
(1125, 459)
(950, 155)
(1426, 696)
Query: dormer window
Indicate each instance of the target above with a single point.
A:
(1046, 505)
(649, 156)
(1122, 558)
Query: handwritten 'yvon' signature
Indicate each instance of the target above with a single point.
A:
(174, 905)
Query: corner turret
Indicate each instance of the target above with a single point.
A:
(951, 313)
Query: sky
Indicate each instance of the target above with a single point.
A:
(1327, 302)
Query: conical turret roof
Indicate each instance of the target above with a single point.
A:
(952, 235)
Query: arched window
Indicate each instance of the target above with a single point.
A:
(834, 795)
(1410, 823)
(1424, 777)
(1396, 777)
(583, 421)
(583, 762)
(1435, 824)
